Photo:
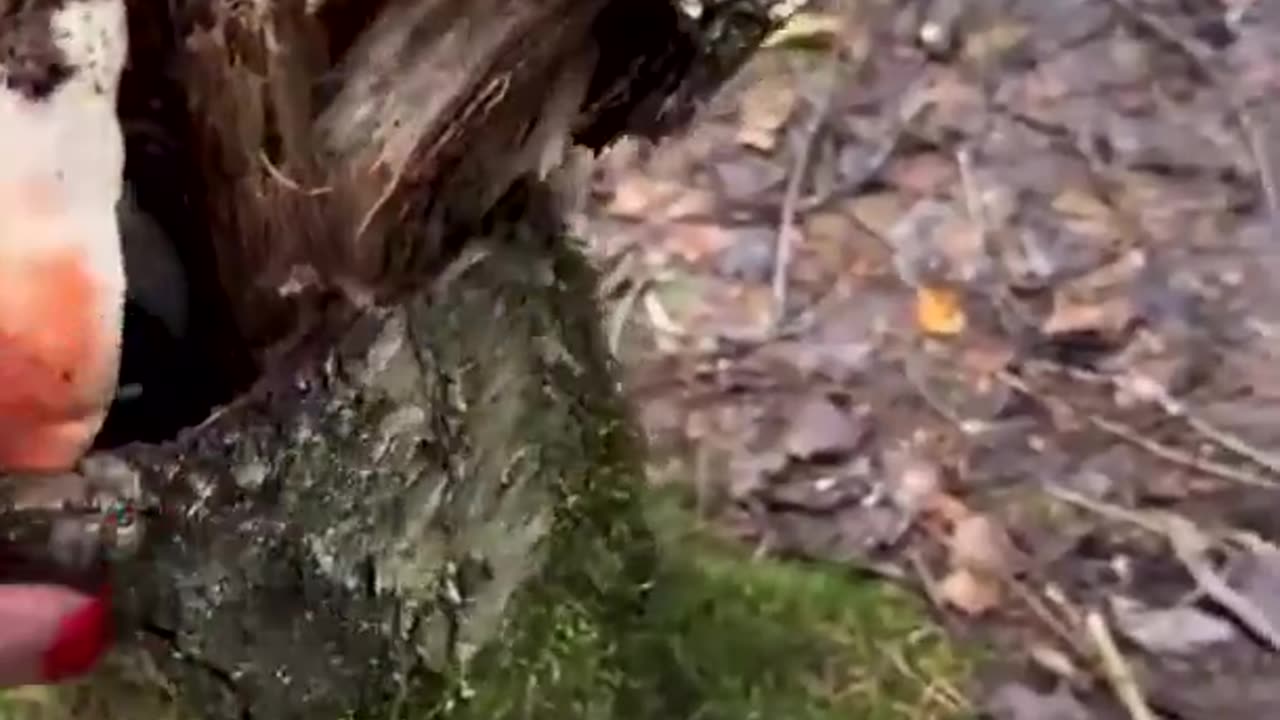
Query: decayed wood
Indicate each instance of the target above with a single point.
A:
(434, 391)
(297, 564)
(334, 158)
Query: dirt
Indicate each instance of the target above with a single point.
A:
(979, 296)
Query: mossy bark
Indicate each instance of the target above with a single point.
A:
(458, 468)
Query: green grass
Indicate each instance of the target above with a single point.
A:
(728, 637)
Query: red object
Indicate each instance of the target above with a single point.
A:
(81, 639)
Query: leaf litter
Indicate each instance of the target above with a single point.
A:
(982, 296)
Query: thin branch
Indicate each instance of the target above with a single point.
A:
(1149, 390)
(795, 181)
(1116, 668)
(1179, 457)
(1190, 547)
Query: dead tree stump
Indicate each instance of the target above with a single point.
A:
(391, 468)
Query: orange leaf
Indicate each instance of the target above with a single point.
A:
(938, 311)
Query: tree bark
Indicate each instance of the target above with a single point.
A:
(425, 500)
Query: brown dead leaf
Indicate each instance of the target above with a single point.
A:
(818, 428)
(763, 110)
(1107, 316)
(987, 354)
(924, 173)
(970, 593)
(1124, 270)
(915, 485)
(828, 228)
(980, 544)
(637, 194)
(1086, 214)
(1080, 202)
(939, 311)
(948, 509)
(878, 212)
(694, 241)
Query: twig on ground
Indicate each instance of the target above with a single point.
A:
(1047, 616)
(795, 181)
(1173, 408)
(1191, 547)
(972, 194)
(1233, 442)
(1116, 668)
(1179, 457)
(1149, 389)
(1199, 55)
(851, 185)
(1261, 146)
(1115, 513)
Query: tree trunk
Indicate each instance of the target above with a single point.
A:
(416, 495)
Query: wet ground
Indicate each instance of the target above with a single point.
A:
(981, 297)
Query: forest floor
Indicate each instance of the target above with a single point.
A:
(979, 298)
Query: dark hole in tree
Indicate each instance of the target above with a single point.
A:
(170, 380)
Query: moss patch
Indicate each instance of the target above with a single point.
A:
(719, 635)
(738, 638)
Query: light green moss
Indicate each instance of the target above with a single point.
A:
(717, 635)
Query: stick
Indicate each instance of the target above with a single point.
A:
(787, 222)
(1116, 668)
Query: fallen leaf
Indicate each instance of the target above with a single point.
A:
(1086, 214)
(981, 545)
(830, 227)
(763, 110)
(1178, 630)
(991, 43)
(878, 211)
(961, 245)
(749, 257)
(806, 29)
(923, 173)
(818, 428)
(1257, 577)
(938, 311)
(948, 508)
(751, 471)
(822, 495)
(746, 176)
(987, 355)
(970, 593)
(1107, 316)
(916, 485)
(935, 242)
(636, 195)
(694, 241)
